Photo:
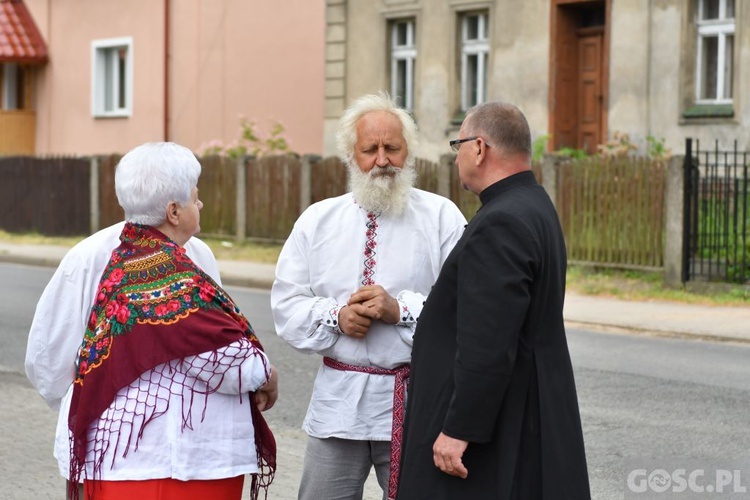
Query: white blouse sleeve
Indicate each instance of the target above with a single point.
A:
(57, 330)
(200, 253)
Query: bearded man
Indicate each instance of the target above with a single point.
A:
(350, 284)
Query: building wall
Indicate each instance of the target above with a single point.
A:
(652, 70)
(519, 57)
(651, 66)
(65, 124)
(629, 68)
(227, 58)
(708, 130)
(518, 66)
(260, 60)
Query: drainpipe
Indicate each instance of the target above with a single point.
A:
(649, 60)
(166, 70)
(48, 88)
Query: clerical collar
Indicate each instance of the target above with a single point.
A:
(524, 178)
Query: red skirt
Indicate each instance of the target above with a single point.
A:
(165, 489)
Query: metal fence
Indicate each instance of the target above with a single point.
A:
(717, 219)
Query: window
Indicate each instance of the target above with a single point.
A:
(112, 77)
(12, 86)
(475, 50)
(403, 56)
(715, 52)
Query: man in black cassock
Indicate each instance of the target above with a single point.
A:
(492, 409)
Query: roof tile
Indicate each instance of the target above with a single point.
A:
(20, 40)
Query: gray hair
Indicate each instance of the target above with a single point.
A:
(151, 176)
(503, 125)
(346, 136)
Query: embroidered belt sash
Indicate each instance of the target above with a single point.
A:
(399, 399)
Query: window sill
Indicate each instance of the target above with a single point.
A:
(709, 111)
(105, 116)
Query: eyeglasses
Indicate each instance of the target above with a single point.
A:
(455, 144)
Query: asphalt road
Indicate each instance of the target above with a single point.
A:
(649, 406)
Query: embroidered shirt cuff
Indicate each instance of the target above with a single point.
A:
(405, 316)
(331, 319)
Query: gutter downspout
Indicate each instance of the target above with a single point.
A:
(649, 60)
(48, 89)
(167, 17)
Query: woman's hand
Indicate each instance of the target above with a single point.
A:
(266, 395)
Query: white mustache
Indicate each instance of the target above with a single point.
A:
(381, 171)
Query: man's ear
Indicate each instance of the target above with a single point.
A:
(173, 213)
(481, 150)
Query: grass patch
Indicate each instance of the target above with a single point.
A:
(265, 253)
(39, 239)
(644, 286)
(224, 249)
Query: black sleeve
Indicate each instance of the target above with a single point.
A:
(495, 273)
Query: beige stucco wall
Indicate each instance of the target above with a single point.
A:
(629, 68)
(520, 59)
(261, 60)
(663, 102)
(518, 66)
(651, 65)
(738, 127)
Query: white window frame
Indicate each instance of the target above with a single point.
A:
(479, 47)
(104, 76)
(407, 53)
(719, 28)
(10, 86)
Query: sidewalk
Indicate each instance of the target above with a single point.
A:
(659, 318)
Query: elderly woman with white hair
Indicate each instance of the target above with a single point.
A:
(169, 379)
(350, 283)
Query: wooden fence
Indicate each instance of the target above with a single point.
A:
(612, 213)
(48, 196)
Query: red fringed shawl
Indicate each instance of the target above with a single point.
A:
(155, 307)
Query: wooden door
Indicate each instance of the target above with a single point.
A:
(590, 95)
(578, 73)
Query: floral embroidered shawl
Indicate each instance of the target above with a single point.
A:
(155, 307)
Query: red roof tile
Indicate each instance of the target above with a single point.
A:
(20, 41)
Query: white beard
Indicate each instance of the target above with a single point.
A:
(376, 191)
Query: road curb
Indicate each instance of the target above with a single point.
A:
(650, 332)
(30, 260)
(246, 282)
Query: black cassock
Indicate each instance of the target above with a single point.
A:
(490, 361)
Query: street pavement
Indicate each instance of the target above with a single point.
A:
(646, 318)
(725, 323)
